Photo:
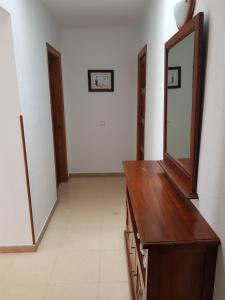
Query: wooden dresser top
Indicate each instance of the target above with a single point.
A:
(162, 216)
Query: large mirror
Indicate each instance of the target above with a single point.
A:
(183, 106)
(179, 100)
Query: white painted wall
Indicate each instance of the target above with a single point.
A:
(158, 27)
(32, 27)
(91, 147)
(14, 213)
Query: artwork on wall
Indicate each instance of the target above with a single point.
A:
(174, 77)
(101, 80)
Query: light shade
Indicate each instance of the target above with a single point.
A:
(181, 10)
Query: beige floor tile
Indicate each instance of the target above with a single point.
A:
(113, 221)
(112, 239)
(72, 202)
(60, 219)
(118, 182)
(81, 256)
(111, 207)
(26, 293)
(72, 292)
(79, 267)
(4, 290)
(113, 266)
(113, 188)
(83, 225)
(79, 241)
(84, 203)
(89, 187)
(6, 261)
(52, 242)
(114, 291)
(112, 203)
(83, 216)
(33, 269)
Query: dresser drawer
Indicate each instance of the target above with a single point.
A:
(132, 253)
(129, 220)
(140, 288)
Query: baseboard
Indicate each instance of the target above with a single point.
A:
(30, 248)
(18, 249)
(80, 175)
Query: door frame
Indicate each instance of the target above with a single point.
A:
(57, 113)
(141, 54)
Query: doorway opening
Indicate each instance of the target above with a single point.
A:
(142, 63)
(58, 118)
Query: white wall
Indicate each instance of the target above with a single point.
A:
(158, 27)
(32, 27)
(93, 148)
(14, 212)
(152, 33)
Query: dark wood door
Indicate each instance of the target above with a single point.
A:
(58, 119)
(142, 61)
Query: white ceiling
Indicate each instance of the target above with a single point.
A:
(96, 12)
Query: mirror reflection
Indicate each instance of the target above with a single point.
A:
(179, 100)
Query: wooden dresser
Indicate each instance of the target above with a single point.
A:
(171, 250)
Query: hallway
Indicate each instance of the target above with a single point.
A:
(81, 256)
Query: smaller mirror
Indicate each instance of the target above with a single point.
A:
(183, 65)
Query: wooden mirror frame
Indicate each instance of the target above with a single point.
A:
(184, 182)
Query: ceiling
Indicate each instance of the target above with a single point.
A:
(84, 13)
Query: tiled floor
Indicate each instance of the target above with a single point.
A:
(82, 254)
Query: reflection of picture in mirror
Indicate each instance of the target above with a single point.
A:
(174, 77)
(179, 101)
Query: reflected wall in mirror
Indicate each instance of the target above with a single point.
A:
(179, 100)
(182, 120)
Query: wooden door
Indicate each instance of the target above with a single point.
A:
(58, 119)
(142, 62)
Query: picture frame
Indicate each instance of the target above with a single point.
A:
(174, 77)
(101, 80)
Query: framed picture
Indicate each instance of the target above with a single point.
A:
(174, 77)
(101, 80)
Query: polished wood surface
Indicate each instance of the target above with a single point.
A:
(187, 178)
(180, 182)
(58, 118)
(185, 162)
(142, 64)
(181, 248)
(162, 216)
